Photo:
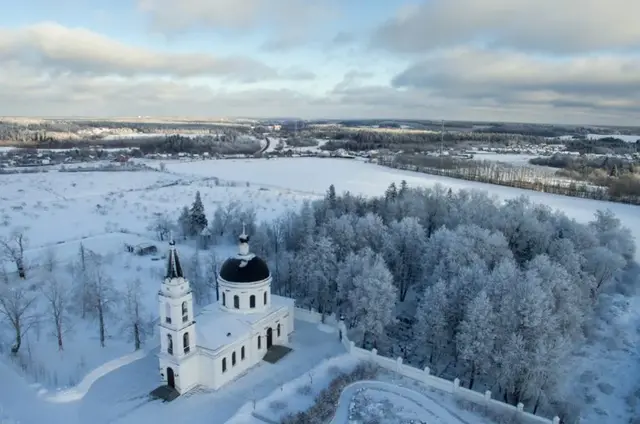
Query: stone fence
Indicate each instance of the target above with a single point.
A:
(423, 375)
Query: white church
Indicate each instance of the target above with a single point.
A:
(227, 337)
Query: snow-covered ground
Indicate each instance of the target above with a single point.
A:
(58, 210)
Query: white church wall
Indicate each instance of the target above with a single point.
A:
(244, 292)
(186, 372)
(174, 310)
(215, 364)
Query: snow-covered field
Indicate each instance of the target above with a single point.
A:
(104, 210)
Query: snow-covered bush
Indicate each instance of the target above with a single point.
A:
(327, 399)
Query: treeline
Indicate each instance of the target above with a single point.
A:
(226, 143)
(416, 141)
(621, 190)
(621, 176)
(505, 291)
(602, 146)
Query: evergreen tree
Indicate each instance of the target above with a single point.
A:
(403, 188)
(391, 193)
(198, 219)
(331, 197)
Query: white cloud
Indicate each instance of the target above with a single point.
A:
(585, 82)
(53, 47)
(561, 26)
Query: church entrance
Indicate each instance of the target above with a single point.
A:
(269, 337)
(171, 379)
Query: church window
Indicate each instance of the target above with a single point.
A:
(185, 342)
(224, 364)
(167, 313)
(264, 296)
(169, 344)
(233, 359)
(236, 301)
(278, 330)
(259, 342)
(242, 353)
(224, 300)
(185, 312)
(252, 301)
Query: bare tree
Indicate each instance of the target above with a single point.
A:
(16, 305)
(58, 298)
(80, 270)
(101, 295)
(135, 324)
(50, 260)
(223, 216)
(162, 226)
(13, 250)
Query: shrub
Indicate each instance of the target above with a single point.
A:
(327, 400)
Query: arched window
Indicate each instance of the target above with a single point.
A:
(259, 342)
(169, 344)
(185, 342)
(185, 312)
(167, 313)
(252, 301)
(264, 296)
(242, 353)
(224, 300)
(224, 364)
(233, 359)
(278, 330)
(236, 301)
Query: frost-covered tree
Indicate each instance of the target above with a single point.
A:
(341, 232)
(433, 333)
(222, 218)
(58, 298)
(102, 296)
(373, 299)
(12, 249)
(404, 253)
(475, 337)
(162, 225)
(17, 306)
(197, 218)
(604, 265)
(184, 223)
(136, 324)
(316, 270)
(197, 279)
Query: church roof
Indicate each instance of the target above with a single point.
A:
(245, 267)
(174, 270)
(217, 328)
(241, 269)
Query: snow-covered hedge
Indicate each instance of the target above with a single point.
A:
(327, 400)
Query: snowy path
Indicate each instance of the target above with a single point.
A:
(437, 413)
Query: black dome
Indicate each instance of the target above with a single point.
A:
(238, 270)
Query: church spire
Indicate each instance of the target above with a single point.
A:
(174, 270)
(243, 241)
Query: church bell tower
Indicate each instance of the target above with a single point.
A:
(176, 324)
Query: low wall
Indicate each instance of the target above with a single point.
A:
(80, 390)
(424, 376)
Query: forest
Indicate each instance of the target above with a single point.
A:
(499, 294)
(595, 184)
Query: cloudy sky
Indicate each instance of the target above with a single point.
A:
(574, 61)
